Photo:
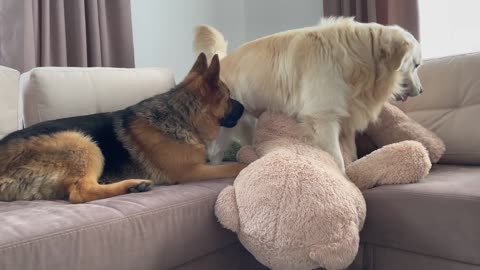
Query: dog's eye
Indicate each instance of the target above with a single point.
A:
(416, 66)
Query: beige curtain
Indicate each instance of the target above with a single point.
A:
(82, 33)
(400, 12)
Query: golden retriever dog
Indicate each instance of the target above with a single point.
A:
(333, 77)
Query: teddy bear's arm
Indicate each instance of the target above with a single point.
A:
(398, 163)
(226, 209)
(247, 154)
(395, 126)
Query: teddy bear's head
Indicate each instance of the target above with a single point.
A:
(293, 211)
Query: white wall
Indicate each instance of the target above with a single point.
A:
(449, 27)
(230, 20)
(162, 29)
(264, 17)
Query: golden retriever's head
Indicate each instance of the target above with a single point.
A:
(410, 85)
(383, 58)
(400, 52)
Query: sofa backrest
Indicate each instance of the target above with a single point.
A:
(450, 105)
(49, 93)
(9, 89)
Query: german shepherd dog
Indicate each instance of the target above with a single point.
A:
(162, 138)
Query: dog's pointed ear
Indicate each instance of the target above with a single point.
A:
(212, 75)
(200, 65)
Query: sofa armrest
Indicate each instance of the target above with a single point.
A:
(8, 100)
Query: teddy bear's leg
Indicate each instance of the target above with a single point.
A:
(394, 126)
(398, 163)
(338, 255)
(247, 154)
(226, 209)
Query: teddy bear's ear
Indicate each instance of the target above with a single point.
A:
(226, 209)
(337, 255)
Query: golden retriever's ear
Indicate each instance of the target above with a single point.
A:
(200, 66)
(394, 49)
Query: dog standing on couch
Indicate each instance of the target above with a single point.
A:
(334, 77)
(161, 138)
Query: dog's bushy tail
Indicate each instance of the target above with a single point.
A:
(209, 41)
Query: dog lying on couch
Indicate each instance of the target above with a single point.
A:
(70, 157)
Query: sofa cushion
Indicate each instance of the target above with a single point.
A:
(9, 79)
(160, 229)
(440, 216)
(384, 258)
(56, 92)
(450, 105)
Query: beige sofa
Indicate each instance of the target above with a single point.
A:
(434, 224)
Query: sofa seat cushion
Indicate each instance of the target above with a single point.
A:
(9, 79)
(160, 229)
(440, 216)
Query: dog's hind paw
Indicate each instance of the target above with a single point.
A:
(141, 187)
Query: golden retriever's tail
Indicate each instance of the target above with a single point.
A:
(209, 41)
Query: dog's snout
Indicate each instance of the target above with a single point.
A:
(237, 107)
(234, 113)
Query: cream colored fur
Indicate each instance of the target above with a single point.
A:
(332, 77)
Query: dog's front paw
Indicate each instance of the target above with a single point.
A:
(142, 186)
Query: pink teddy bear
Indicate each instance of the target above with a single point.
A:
(292, 207)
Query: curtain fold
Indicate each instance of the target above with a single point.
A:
(82, 33)
(401, 12)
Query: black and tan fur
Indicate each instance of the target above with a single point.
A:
(162, 138)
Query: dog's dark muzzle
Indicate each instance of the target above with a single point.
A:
(235, 111)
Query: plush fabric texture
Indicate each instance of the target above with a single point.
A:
(450, 105)
(292, 208)
(54, 92)
(399, 163)
(403, 151)
(395, 126)
(8, 100)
